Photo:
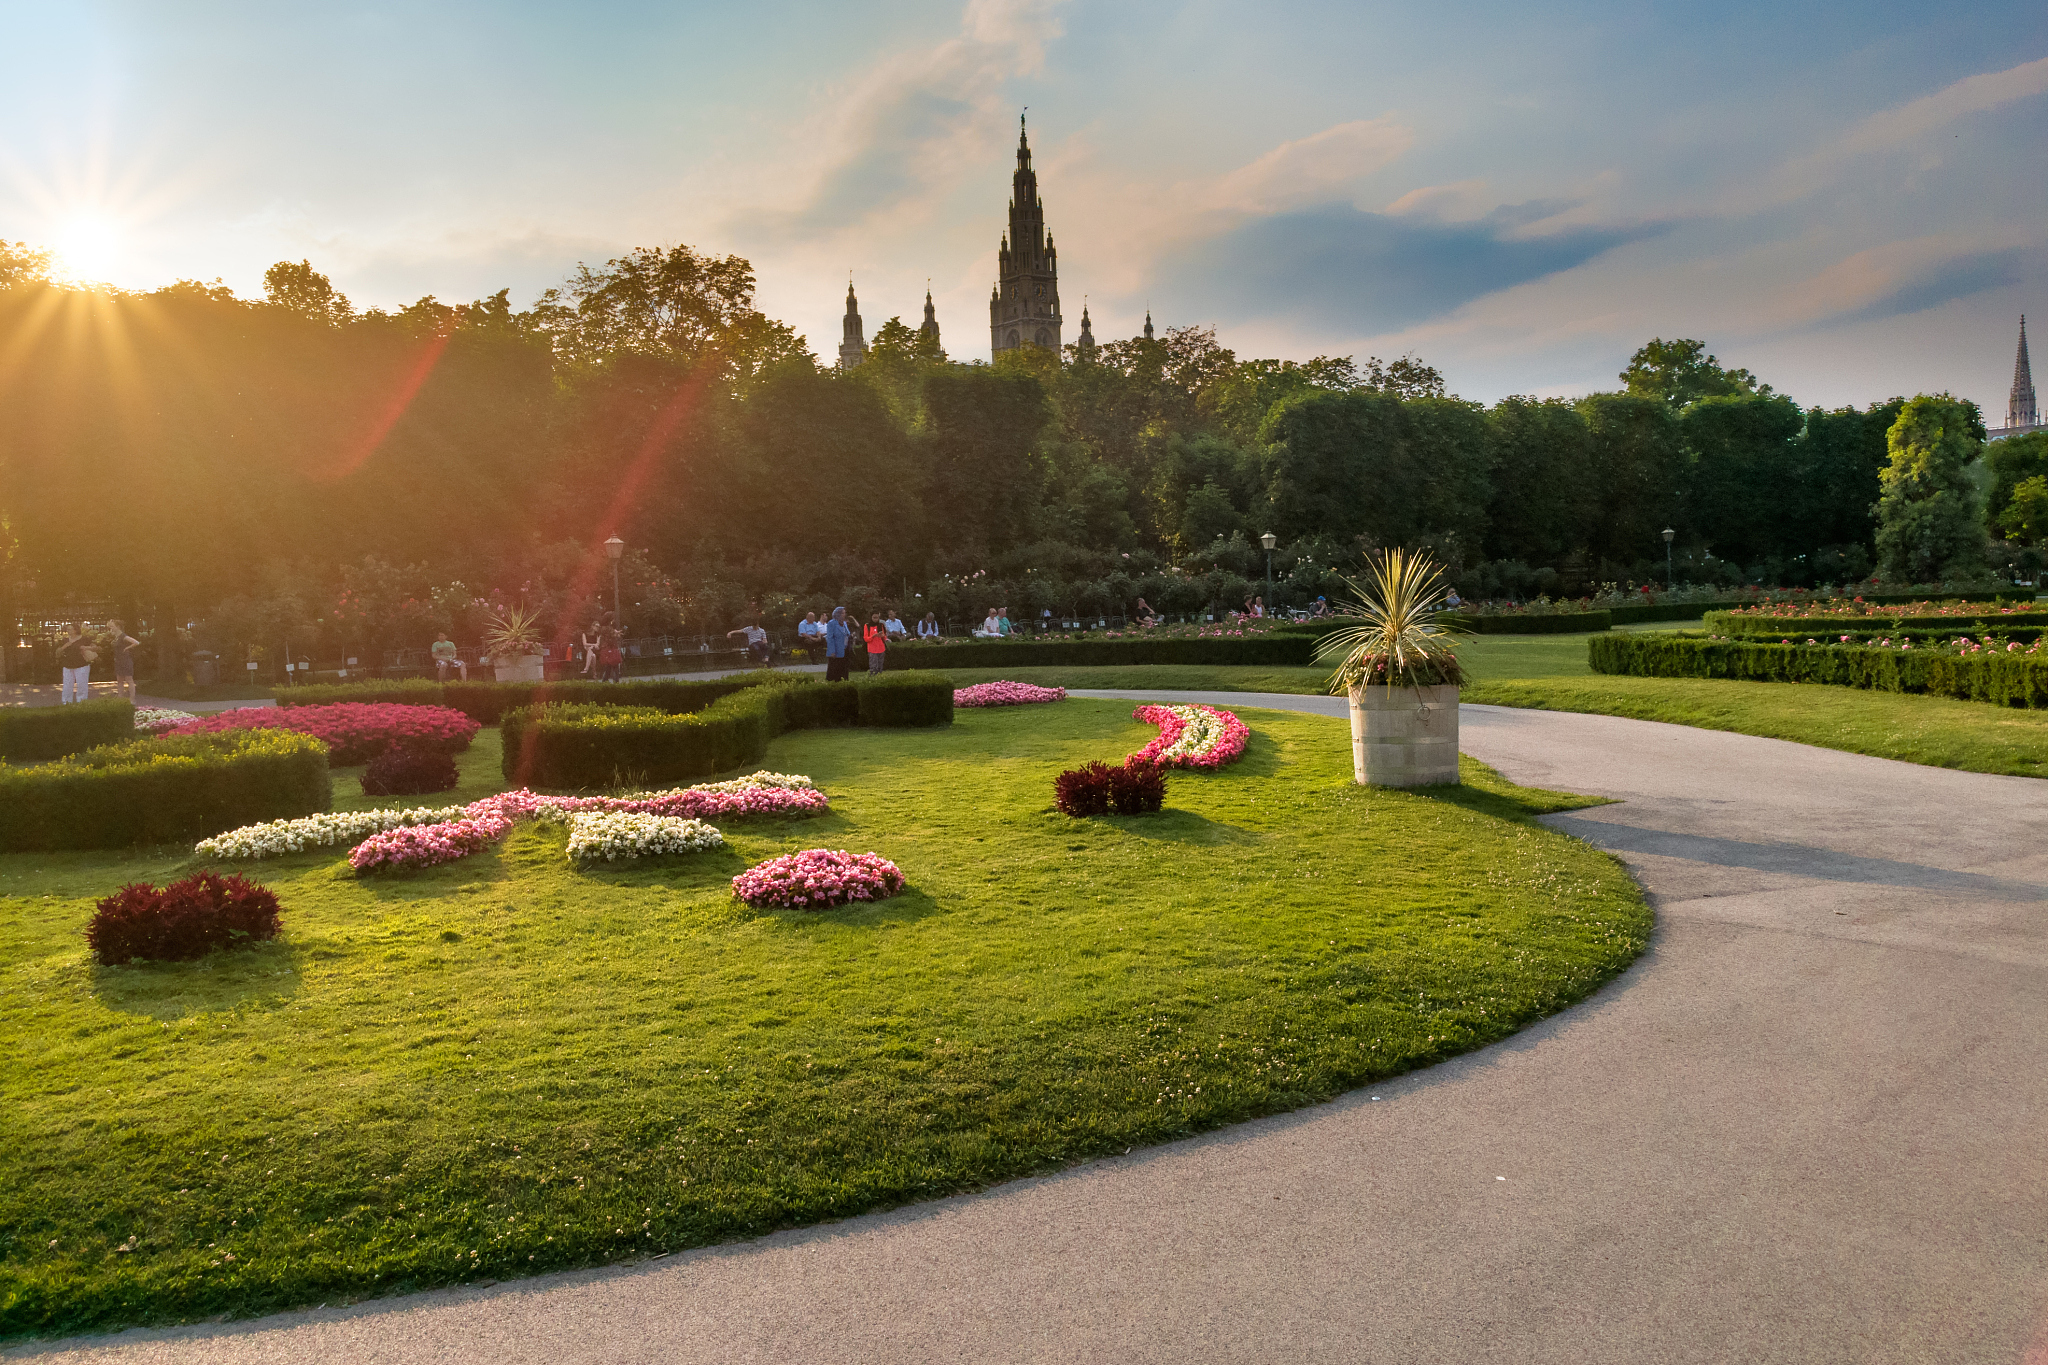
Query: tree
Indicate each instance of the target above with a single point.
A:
(1836, 461)
(21, 264)
(1740, 447)
(1636, 473)
(1930, 524)
(1407, 377)
(1539, 458)
(1679, 372)
(2012, 462)
(2025, 515)
(299, 288)
(676, 303)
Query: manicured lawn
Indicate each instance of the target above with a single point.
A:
(1549, 672)
(503, 1065)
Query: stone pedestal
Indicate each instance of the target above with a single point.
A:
(1404, 736)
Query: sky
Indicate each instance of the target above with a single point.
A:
(1847, 199)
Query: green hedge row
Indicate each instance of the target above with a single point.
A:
(2001, 679)
(1533, 623)
(151, 791)
(1753, 626)
(584, 745)
(487, 702)
(33, 734)
(1276, 648)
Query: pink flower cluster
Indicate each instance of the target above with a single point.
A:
(354, 732)
(1005, 694)
(1191, 736)
(428, 845)
(817, 879)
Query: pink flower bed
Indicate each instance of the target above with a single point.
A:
(354, 732)
(817, 879)
(1006, 694)
(427, 845)
(1191, 736)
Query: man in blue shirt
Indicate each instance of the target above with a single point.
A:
(836, 635)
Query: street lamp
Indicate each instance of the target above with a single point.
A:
(615, 548)
(1668, 534)
(1269, 540)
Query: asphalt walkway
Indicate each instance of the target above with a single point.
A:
(1807, 1126)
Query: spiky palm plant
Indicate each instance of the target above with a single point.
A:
(1397, 641)
(511, 634)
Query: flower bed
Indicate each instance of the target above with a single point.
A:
(613, 835)
(155, 720)
(1006, 694)
(354, 732)
(818, 879)
(1191, 737)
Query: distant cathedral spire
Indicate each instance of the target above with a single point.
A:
(853, 347)
(1084, 345)
(2020, 410)
(1148, 324)
(930, 326)
(1024, 308)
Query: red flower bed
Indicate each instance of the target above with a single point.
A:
(354, 732)
(187, 919)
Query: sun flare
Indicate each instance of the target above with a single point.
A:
(88, 247)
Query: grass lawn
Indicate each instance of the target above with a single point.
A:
(503, 1065)
(1549, 672)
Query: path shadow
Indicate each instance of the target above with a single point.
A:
(1799, 860)
(261, 976)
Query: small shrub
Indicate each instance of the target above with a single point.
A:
(1083, 791)
(1137, 788)
(406, 770)
(187, 919)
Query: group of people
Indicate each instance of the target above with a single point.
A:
(834, 637)
(78, 651)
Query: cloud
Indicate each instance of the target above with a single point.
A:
(1318, 169)
(1339, 267)
(1905, 277)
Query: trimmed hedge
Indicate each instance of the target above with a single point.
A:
(1753, 626)
(581, 746)
(487, 702)
(2000, 679)
(1278, 647)
(152, 791)
(35, 734)
(1533, 623)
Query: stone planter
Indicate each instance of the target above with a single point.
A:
(526, 668)
(1404, 736)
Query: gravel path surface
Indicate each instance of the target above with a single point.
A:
(1807, 1126)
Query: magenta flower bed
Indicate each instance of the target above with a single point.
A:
(1006, 694)
(354, 732)
(818, 879)
(1191, 736)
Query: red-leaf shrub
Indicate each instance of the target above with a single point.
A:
(1137, 788)
(354, 732)
(1082, 791)
(403, 770)
(185, 920)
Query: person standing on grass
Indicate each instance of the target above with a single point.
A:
(75, 655)
(123, 644)
(877, 637)
(838, 634)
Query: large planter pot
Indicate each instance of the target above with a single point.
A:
(1404, 736)
(526, 668)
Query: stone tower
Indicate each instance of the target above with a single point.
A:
(2020, 412)
(930, 326)
(1084, 345)
(853, 347)
(1024, 307)
(1148, 324)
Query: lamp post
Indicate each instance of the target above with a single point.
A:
(1668, 534)
(615, 548)
(1269, 540)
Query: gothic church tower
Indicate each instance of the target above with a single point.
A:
(1024, 308)
(2021, 414)
(853, 347)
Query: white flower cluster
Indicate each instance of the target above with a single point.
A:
(610, 835)
(276, 838)
(786, 781)
(152, 719)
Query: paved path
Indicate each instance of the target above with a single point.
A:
(1807, 1126)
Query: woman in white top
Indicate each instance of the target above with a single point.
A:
(992, 628)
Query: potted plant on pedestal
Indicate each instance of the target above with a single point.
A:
(512, 644)
(1400, 669)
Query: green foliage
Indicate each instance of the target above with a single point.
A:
(2025, 516)
(302, 290)
(2011, 463)
(32, 734)
(1539, 457)
(151, 791)
(1740, 448)
(1637, 473)
(1930, 513)
(486, 702)
(1680, 372)
(899, 699)
(1543, 622)
(1273, 648)
(1395, 635)
(2001, 679)
(1758, 625)
(1346, 465)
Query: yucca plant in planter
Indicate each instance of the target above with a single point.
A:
(1400, 669)
(512, 644)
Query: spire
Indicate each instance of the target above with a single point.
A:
(2020, 411)
(930, 326)
(1084, 345)
(1148, 324)
(1023, 145)
(853, 347)
(1024, 307)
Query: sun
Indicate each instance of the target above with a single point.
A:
(88, 247)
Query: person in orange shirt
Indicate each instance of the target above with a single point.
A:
(877, 636)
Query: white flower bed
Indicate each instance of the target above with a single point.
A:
(612, 835)
(151, 719)
(786, 781)
(276, 838)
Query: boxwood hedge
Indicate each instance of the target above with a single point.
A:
(1532, 622)
(32, 734)
(2009, 621)
(581, 745)
(146, 791)
(1279, 647)
(487, 702)
(2001, 679)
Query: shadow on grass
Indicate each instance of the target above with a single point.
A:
(1181, 827)
(260, 976)
(1486, 792)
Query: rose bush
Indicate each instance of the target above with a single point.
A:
(817, 879)
(354, 732)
